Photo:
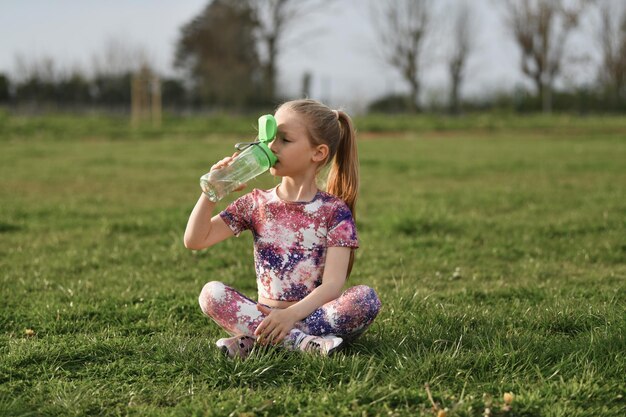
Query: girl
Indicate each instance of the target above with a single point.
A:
(303, 242)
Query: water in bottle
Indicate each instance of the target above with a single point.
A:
(255, 159)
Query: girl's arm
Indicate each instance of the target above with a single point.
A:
(335, 272)
(279, 323)
(201, 232)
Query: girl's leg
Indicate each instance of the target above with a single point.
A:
(234, 312)
(230, 309)
(347, 316)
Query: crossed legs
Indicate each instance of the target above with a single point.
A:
(347, 316)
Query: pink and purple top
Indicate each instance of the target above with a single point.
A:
(290, 238)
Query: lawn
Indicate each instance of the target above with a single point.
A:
(498, 251)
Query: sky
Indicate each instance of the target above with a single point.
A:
(338, 45)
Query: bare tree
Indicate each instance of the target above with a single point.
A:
(612, 37)
(112, 68)
(41, 81)
(402, 26)
(275, 18)
(463, 33)
(541, 29)
(42, 69)
(118, 56)
(35, 80)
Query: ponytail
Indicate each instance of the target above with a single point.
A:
(343, 177)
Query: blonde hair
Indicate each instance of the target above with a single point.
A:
(335, 129)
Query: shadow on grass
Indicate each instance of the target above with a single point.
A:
(269, 366)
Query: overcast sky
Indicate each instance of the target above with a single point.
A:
(338, 46)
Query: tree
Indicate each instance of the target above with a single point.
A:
(73, 88)
(5, 93)
(35, 80)
(112, 90)
(118, 57)
(463, 33)
(402, 26)
(174, 93)
(541, 29)
(612, 39)
(113, 67)
(217, 51)
(274, 20)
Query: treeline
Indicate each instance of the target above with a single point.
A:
(77, 91)
(227, 57)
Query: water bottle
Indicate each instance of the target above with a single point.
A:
(255, 159)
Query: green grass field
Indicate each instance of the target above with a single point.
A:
(498, 251)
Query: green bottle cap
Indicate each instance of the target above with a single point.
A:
(267, 132)
(267, 128)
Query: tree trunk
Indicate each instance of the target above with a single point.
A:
(270, 69)
(455, 107)
(546, 99)
(413, 107)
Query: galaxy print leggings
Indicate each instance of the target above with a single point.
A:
(347, 316)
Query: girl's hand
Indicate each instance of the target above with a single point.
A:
(224, 163)
(275, 326)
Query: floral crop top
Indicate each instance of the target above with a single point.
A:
(290, 238)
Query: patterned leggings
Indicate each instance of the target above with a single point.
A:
(347, 316)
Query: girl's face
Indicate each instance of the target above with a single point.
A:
(291, 146)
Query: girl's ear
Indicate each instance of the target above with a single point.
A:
(321, 152)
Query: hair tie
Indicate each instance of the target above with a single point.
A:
(336, 114)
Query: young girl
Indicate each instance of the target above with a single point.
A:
(304, 240)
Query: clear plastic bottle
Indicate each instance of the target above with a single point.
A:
(255, 159)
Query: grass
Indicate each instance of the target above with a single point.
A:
(498, 255)
(64, 126)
